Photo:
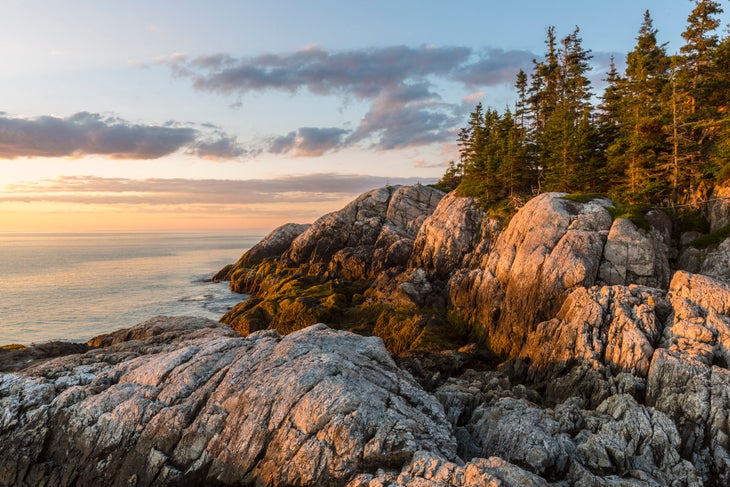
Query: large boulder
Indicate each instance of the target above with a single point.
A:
(187, 401)
(635, 256)
(329, 271)
(598, 334)
(717, 209)
(551, 246)
(384, 220)
(457, 235)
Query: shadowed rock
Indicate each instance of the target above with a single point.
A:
(718, 210)
(14, 358)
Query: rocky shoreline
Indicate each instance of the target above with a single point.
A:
(567, 347)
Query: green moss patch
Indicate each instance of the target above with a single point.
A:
(713, 238)
(583, 197)
(634, 212)
(287, 299)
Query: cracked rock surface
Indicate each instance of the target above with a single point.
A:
(188, 401)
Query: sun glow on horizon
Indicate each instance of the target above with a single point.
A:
(54, 217)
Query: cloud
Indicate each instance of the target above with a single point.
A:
(291, 189)
(401, 84)
(430, 165)
(363, 73)
(220, 147)
(87, 133)
(282, 144)
(308, 141)
(473, 98)
(406, 117)
(493, 67)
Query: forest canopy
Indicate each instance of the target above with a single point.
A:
(658, 133)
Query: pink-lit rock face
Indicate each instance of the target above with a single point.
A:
(551, 246)
(377, 220)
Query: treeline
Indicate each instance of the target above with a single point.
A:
(658, 134)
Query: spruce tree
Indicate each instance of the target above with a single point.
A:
(716, 167)
(694, 100)
(608, 128)
(700, 42)
(566, 142)
(641, 143)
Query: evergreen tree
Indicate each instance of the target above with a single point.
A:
(679, 166)
(452, 177)
(608, 128)
(544, 85)
(716, 167)
(566, 142)
(660, 131)
(693, 110)
(522, 104)
(522, 146)
(477, 146)
(700, 42)
(641, 143)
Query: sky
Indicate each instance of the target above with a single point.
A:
(184, 115)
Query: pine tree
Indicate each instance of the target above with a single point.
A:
(452, 176)
(478, 148)
(522, 144)
(680, 164)
(522, 104)
(544, 84)
(608, 128)
(660, 132)
(609, 109)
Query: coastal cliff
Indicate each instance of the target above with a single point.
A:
(563, 347)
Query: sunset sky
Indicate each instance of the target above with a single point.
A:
(242, 115)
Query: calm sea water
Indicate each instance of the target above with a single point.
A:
(75, 286)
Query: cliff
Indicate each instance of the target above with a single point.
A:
(564, 347)
(576, 304)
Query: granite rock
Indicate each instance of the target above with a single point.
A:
(186, 400)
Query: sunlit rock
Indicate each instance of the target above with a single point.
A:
(187, 400)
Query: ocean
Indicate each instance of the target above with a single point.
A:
(76, 286)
